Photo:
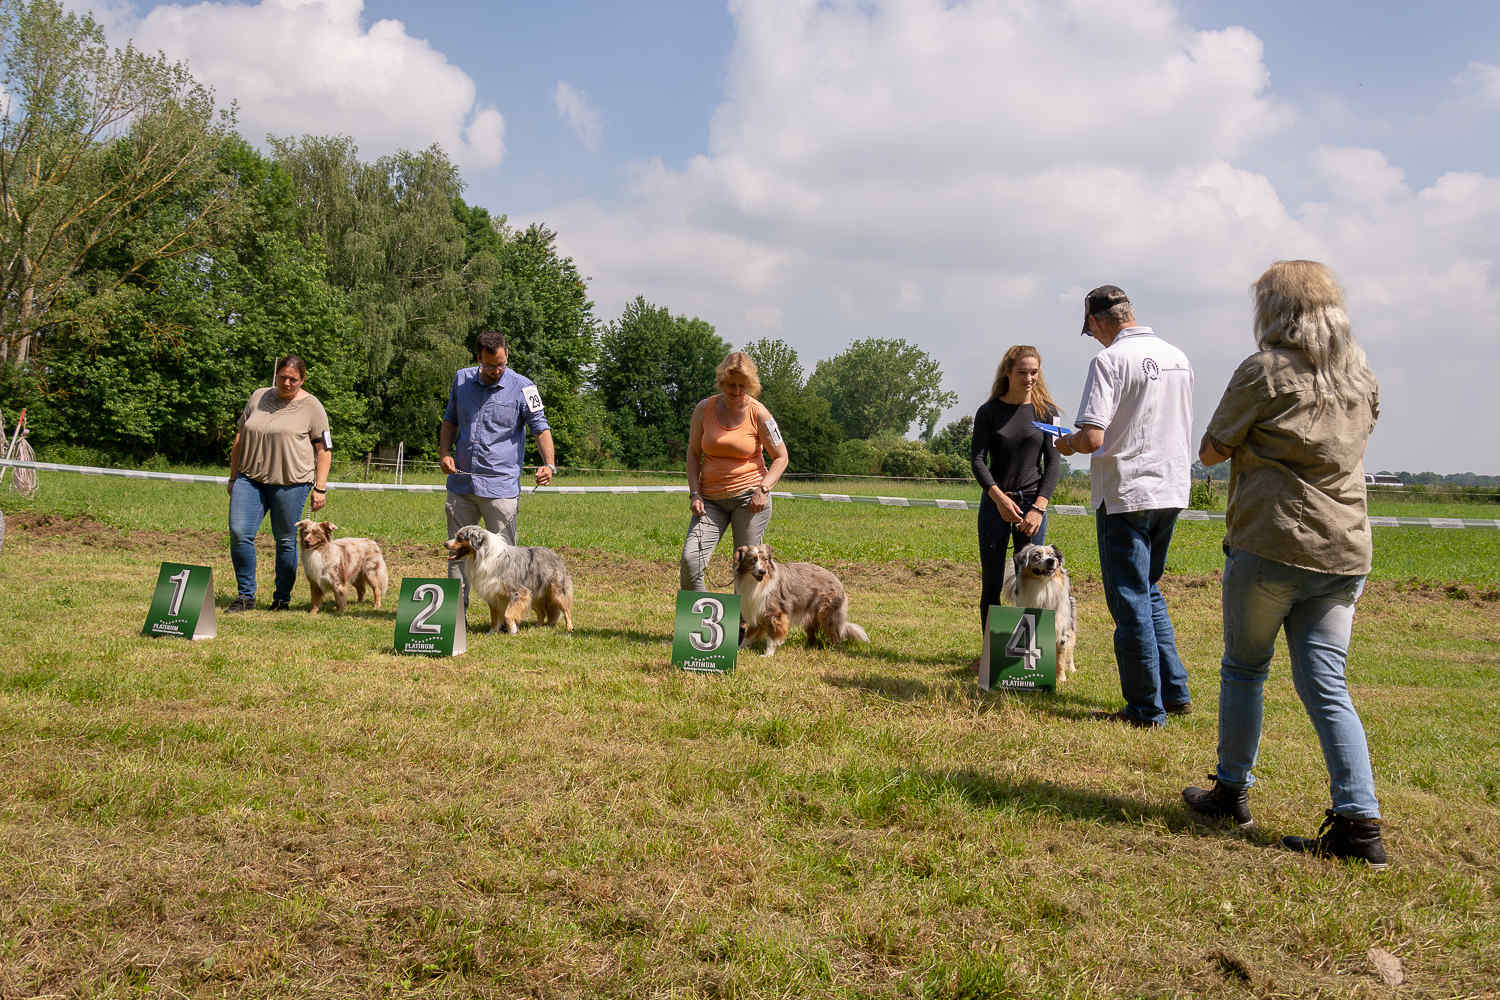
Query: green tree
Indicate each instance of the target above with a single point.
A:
(541, 303)
(806, 423)
(401, 255)
(909, 460)
(163, 364)
(94, 142)
(653, 369)
(879, 386)
(954, 439)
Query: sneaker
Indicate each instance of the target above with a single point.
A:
(281, 605)
(1220, 802)
(1181, 708)
(1123, 715)
(1343, 837)
(241, 603)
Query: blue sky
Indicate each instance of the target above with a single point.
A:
(953, 173)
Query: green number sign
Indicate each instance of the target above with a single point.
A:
(706, 638)
(1020, 649)
(183, 603)
(430, 617)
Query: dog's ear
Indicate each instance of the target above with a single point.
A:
(1057, 552)
(329, 527)
(766, 551)
(302, 524)
(1020, 560)
(739, 556)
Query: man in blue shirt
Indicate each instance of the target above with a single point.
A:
(483, 440)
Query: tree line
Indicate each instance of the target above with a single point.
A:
(156, 264)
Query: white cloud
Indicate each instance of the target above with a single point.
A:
(1361, 176)
(311, 66)
(580, 115)
(959, 174)
(1481, 80)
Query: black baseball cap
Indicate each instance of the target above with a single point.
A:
(1102, 299)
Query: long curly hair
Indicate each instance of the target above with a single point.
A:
(1041, 399)
(1300, 306)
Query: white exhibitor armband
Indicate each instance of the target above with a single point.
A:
(772, 431)
(533, 398)
(327, 440)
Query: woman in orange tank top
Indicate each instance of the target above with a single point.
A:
(729, 483)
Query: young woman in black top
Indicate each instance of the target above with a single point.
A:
(1016, 465)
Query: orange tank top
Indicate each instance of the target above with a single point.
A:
(731, 459)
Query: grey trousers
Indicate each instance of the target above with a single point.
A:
(705, 531)
(497, 515)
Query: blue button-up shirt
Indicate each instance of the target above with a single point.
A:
(492, 422)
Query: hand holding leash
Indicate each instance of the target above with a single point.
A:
(1007, 507)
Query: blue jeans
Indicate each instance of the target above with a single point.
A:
(249, 502)
(996, 536)
(1132, 556)
(1261, 597)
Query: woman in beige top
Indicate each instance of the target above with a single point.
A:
(1293, 422)
(282, 450)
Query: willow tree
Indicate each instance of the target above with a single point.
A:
(95, 143)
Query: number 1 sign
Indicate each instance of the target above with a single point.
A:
(1020, 649)
(183, 603)
(707, 636)
(430, 617)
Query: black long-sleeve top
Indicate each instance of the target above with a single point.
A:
(1008, 451)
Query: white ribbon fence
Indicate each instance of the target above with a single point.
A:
(1065, 509)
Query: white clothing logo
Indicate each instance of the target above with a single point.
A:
(1149, 366)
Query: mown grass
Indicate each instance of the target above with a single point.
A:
(290, 809)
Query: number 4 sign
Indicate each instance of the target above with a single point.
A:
(1020, 649)
(430, 619)
(707, 636)
(183, 603)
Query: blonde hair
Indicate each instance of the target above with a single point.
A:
(741, 364)
(1041, 399)
(1300, 306)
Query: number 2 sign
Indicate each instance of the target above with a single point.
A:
(707, 635)
(1020, 649)
(430, 619)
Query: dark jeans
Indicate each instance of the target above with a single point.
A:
(249, 502)
(996, 535)
(1132, 556)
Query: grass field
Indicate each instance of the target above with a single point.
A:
(292, 810)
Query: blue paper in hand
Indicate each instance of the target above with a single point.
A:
(1051, 428)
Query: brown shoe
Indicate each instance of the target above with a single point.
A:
(1181, 708)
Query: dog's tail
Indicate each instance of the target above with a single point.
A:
(844, 629)
(853, 631)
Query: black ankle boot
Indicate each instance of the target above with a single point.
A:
(1343, 837)
(1220, 801)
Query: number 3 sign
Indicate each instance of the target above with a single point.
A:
(430, 618)
(707, 636)
(1020, 649)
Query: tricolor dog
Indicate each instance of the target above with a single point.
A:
(1041, 582)
(511, 578)
(775, 597)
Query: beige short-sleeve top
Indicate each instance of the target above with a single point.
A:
(276, 437)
